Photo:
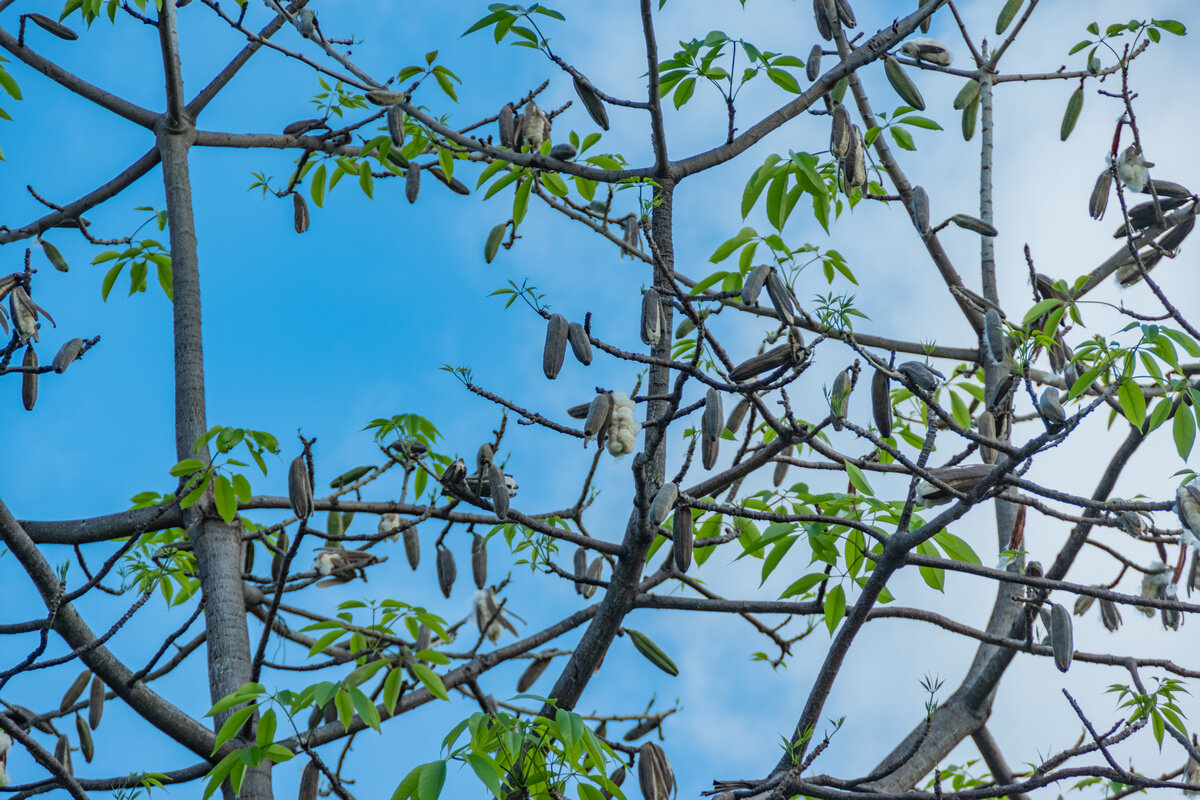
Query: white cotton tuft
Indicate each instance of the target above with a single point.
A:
(1132, 169)
(926, 49)
(388, 523)
(622, 433)
(326, 563)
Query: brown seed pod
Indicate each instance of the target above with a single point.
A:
(920, 210)
(1082, 603)
(412, 546)
(446, 571)
(95, 703)
(681, 531)
(300, 218)
(755, 279)
(903, 84)
(580, 568)
(987, 427)
(664, 501)
(602, 733)
(75, 690)
(1098, 202)
(484, 456)
(925, 23)
(454, 184)
(709, 450)
(763, 362)
(556, 345)
(395, 125)
(282, 543)
(641, 729)
(54, 28)
(581, 346)
(535, 127)
(974, 224)
(330, 714)
(630, 230)
(302, 126)
(846, 14)
(824, 11)
(713, 421)
(854, 165)
(655, 776)
(532, 673)
(781, 467)
(29, 380)
(86, 745)
(962, 479)
(412, 183)
(24, 314)
(67, 354)
(300, 493)
(507, 123)
(652, 316)
(813, 68)
(839, 395)
(479, 561)
(737, 415)
(781, 298)
(592, 102)
(595, 570)
(881, 405)
(498, 488)
(1171, 240)
(840, 133)
(580, 411)
(62, 753)
(1061, 642)
(599, 415)
(385, 97)
(248, 557)
(310, 781)
(424, 637)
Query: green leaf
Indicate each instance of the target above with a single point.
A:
(1006, 15)
(317, 188)
(487, 770)
(956, 548)
(1040, 308)
(265, 734)
(835, 607)
(903, 138)
(366, 709)
(684, 92)
(494, 240)
(1133, 402)
(225, 498)
(431, 680)
(935, 577)
(803, 585)
(10, 84)
(726, 249)
(1184, 430)
(409, 785)
(232, 725)
(919, 122)
(858, 479)
(1171, 26)
(187, 466)
(433, 775)
(521, 200)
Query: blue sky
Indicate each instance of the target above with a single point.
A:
(324, 331)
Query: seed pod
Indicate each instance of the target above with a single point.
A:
(300, 218)
(925, 23)
(54, 28)
(1098, 202)
(281, 547)
(1053, 414)
(302, 126)
(300, 493)
(921, 374)
(824, 11)
(1172, 618)
(974, 224)
(62, 753)
(962, 479)
(781, 467)
(630, 231)
(535, 127)
(479, 561)
(781, 298)
(446, 571)
(1060, 637)
(681, 532)
(652, 317)
(838, 397)
(920, 210)
(310, 780)
(968, 94)
(507, 123)
(581, 346)
(424, 637)
(881, 405)
(556, 345)
(24, 314)
(664, 501)
(903, 85)
(599, 414)
(1071, 116)
(86, 745)
(29, 380)
(763, 362)
(1110, 615)
(55, 257)
(641, 729)
(1082, 603)
(655, 777)
(594, 571)
(532, 673)
(753, 284)
(385, 97)
(713, 421)
(412, 183)
(1171, 240)
(854, 165)
(454, 184)
(653, 653)
(813, 68)
(592, 102)
(737, 415)
(1128, 273)
(709, 450)
(987, 427)
(75, 691)
(580, 568)
(67, 354)
(563, 152)
(95, 703)
(412, 546)
(498, 487)
(1166, 189)
(845, 14)
(930, 50)
(839, 136)
(970, 116)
